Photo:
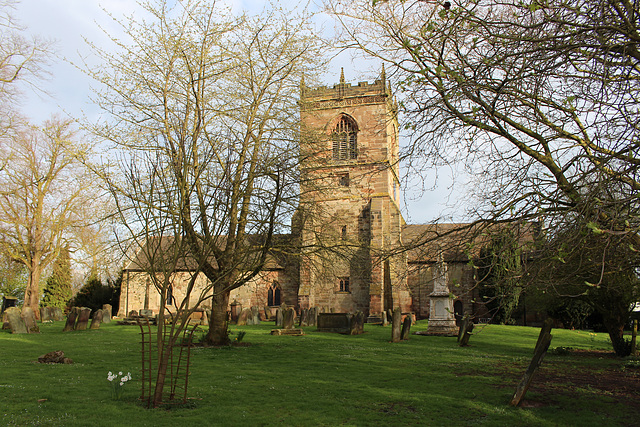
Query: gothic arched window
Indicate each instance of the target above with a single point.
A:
(345, 145)
(273, 295)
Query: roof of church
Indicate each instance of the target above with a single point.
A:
(163, 254)
(454, 242)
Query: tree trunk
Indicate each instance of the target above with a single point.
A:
(218, 328)
(32, 292)
(163, 364)
(615, 328)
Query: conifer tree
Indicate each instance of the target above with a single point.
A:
(57, 292)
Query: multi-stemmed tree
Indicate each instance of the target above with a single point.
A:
(203, 111)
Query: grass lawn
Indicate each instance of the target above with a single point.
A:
(324, 379)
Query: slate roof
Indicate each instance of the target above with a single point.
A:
(161, 251)
(454, 242)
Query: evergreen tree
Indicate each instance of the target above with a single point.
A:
(57, 292)
(94, 294)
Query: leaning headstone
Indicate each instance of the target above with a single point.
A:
(16, 322)
(30, 321)
(389, 314)
(279, 318)
(288, 318)
(385, 319)
(406, 328)
(396, 325)
(268, 314)
(255, 315)
(83, 319)
(244, 317)
(97, 319)
(72, 317)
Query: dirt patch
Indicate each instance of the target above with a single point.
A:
(575, 373)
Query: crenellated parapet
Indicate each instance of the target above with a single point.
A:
(346, 95)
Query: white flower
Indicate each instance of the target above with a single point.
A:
(121, 384)
(120, 373)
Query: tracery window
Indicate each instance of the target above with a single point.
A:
(345, 144)
(273, 295)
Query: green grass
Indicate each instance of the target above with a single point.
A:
(317, 379)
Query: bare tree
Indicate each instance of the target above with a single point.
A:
(22, 60)
(205, 112)
(44, 193)
(539, 99)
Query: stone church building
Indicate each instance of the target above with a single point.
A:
(358, 254)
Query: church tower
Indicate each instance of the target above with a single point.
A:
(349, 216)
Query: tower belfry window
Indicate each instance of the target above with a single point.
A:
(345, 145)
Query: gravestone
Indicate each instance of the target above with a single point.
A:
(29, 317)
(8, 302)
(83, 319)
(313, 316)
(236, 309)
(105, 316)
(385, 320)
(15, 320)
(288, 318)
(268, 313)
(108, 312)
(406, 328)
(146, 313)
(58, 315)
(396, 325)
(97, 319)
(334, 322)
(255, 315)
(72, 317)
(389, 315)
(133, 313)
(46, 314)
(357, 324)
(244, 317)
(304, 317)
(279, 318)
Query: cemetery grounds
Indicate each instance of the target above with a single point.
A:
(325, 379)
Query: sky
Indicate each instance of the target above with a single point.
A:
(67, 90)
